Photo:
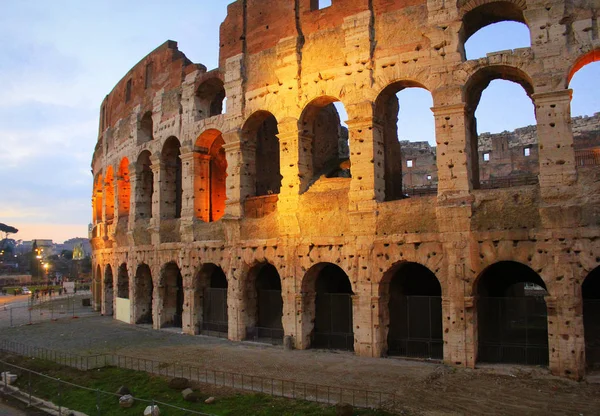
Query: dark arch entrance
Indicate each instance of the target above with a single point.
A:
(123, 282)
(143, 295)
(171, 289)
(512, 315)
(590, 292)
(108, 291)
(333, 310)
(211, 298)
(265, 304)
(415, 312)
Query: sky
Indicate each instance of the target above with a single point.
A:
(60, 58)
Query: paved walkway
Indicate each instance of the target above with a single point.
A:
(423, 387)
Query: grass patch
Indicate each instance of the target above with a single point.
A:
(228, 402)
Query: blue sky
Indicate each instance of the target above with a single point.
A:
(61, 57)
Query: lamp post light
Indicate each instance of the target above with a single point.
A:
(46, 273)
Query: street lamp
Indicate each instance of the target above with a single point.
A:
(46, 273)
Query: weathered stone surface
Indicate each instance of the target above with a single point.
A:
(126, 401)
(189, 395)
(152, 411)
(179, 383)
(210, 400)
(123, 390)
(193, 207)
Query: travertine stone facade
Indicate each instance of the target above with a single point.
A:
(188, 196)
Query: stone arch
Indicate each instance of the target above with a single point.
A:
(477, 82)
(171, 179)
(123, 188)
(263, 304)
(97, 198)
(262, 145)
(108, 292)
(170, 291)
(327, 311)
(144, 186)
(123, 282)
(210, 301)
(590, 293)
(386, 117)
(323, 142)
(580, 62)
(210, 176)
(146, 128)
(144, 293)
(109, 192)
(476, 14)
(512, 323)
(209, 98)
(411, 314)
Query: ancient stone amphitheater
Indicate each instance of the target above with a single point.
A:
(270, 221)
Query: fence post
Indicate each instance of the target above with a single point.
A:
(29, 385)
(11, 319)
(98, 402)
(29, 310)
(59, 404)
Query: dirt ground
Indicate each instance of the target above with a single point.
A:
(422, 388)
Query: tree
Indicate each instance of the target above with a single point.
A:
(7, 229)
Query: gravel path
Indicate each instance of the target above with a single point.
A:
(423, 387)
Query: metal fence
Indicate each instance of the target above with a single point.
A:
(591, 323)
(45, 309)
(333, 322)
(214, 318)
(513, 330)
(269, 328)
(267, 385)
(510, 181)
(416, 327)
(60, 394)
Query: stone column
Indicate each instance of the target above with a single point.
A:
(295, 162)
(305, 315)
(558, 173)
(202, 186)
(157, 172)
(188, 323)
(235, 303)
(187, 183)
(237, 180)
(566, 340)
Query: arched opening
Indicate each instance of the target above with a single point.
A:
(108, 291)
(97, 199)
(146, 128)
(123, 282)
(332, 311)
(590, 292)
(500, 158)
(171, 180)
(511, 315)
(210, 176)
(325, 152)
(415, 311)
(109, 192)
(260, 131)
(209, 99)
(493, 26)
(97, 289)
(265, 305)
(407, 126)
(144, 289)
(144, 186)
(210, 300)
(171, 293)
(585, 109)
(123, 188)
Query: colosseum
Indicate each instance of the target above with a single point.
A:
(233, 202)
